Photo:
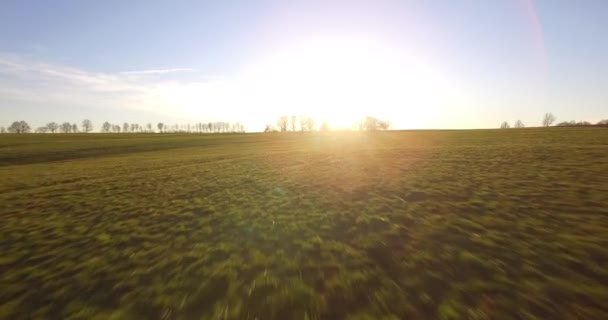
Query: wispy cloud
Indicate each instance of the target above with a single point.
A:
(49, 87)
(157, 71)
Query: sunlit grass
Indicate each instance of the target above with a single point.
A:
(430, 224)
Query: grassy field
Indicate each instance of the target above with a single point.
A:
(481, 224)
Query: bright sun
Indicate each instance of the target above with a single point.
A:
(341, 80)
(335, 79)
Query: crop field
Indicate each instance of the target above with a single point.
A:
(477, 224)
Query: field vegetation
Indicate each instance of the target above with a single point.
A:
(476, 224)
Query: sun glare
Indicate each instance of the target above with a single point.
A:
(334, 80)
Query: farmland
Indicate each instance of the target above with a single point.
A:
(476, 224)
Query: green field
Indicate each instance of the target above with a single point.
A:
(478, 224)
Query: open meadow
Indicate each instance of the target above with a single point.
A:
(475, 224)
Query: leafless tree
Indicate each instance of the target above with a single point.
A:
(519, 124)
(105, 127)
(66, 127)
(303, 123)
(134, 127)
(548, 119)
(160, 127)
(384, 125)
(74, 128)
(293, 123)
(149, 127)
(282, 123)
(19, 127)
(373, 124)
(116, 128)
(505, 125)
(87, 125)
(310, 124)
(566, 123)
(125, 127)
(42, 129)
(52, 126)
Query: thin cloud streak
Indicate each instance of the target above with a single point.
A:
(201, 97)
(157, 71)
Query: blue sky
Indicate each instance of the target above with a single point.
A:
(421, 64)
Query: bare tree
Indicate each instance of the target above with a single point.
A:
(310, 124)
(548, 119)
(519, 124)
(149, 127)
(566, 123)
(125, 127)
(505, 125)
(116, 128)
(87, 125)
(282, 123)
(66, 127)
(373, 124)
(293, 123)
(134, 127)
(160, 127)
(42, 129)
(19, 127)
(105, 127)
(384, 125)
(52, 126)
(74, 128)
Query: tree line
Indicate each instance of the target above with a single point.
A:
(107, 127)
(549, 119)
(304, 123)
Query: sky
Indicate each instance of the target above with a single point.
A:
(419, 64)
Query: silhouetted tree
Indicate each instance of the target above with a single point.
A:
(105, 127)
(269, 128)
(74, 128)
(134, 127)
(149, 127)
(373, 124)
(566, 123)
(87, 126)
(52, 126)
(125, 127)
(17, 127)
(505, 125)
(384, 125)
(293, 123)
(160, 127)
(42, 129)
(66, 127)
(519, 124)
(282, 123)
(310, 124)
(116, 128)
(548, 119)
